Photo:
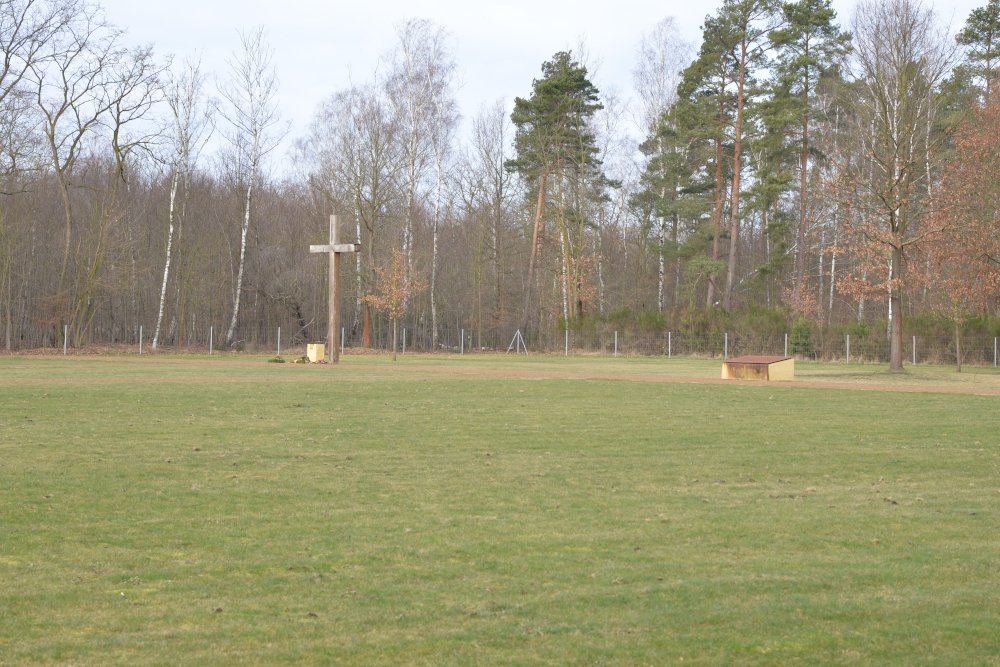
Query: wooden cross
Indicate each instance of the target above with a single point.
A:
(333, 312)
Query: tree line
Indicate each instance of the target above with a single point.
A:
(821, 173)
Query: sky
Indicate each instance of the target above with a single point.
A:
(322, 46)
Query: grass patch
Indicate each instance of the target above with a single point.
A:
(490, 510)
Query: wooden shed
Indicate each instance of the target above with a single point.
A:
(759, 368)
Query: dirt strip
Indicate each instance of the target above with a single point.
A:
(367, 371)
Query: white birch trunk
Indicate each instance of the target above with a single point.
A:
(357, 268)
(661, 271)
(238, 288)
(661, 239)
(166, 263)
(819, 268)
(888, 330)
(600, 274)
(408, 236)
(833, 283)
(565, 254)
(434, 244)
(565, 278)
(861, 301)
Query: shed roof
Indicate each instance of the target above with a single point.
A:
(757, 359)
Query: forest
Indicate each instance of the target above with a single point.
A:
(795, 169)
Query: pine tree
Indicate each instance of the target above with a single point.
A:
(553, 140)
(676, 192)
(705, 89)
(809, 43)
(981, 36)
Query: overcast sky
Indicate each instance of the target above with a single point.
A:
(321, 46)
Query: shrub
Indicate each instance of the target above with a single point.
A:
(800, 338)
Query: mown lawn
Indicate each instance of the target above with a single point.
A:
(230, 511)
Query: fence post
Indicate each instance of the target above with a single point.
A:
(725, 351)
(616, 343)
(670, 344)
(914, 350)
(140, 340)
(461, 346)
(566, 346)
(343, 334)
(211, 336)
(404, 340)
(279, 341)
(848, 348)
(994, 352)
(786, 344)
(65, 337)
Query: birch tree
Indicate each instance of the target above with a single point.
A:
(421, 87)
(661, 59)
(491, 132)
(249, 107)
(190, 128)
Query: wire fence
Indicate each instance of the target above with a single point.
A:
(939, 350)
(936, 350)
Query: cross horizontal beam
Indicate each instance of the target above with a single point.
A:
(337, 247)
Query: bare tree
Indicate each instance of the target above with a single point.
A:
(492, 133)
(86, 85)
(355, 163)
(68, 83)
(28, 28)
(901, 55)
(486, 199)
(249, 107)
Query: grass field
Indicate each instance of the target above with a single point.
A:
(495, 511)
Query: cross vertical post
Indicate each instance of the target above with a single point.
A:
(333, 308)
(334, 249)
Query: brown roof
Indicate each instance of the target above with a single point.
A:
(756, 359)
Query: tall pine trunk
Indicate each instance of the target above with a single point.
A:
(720, 193)
(734, 205)
(539, 213)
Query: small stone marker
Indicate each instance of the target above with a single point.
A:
(334, 249)
(315, 352)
